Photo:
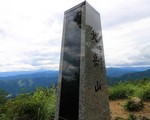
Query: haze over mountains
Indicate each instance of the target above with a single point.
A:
(115, 72)
(128, 73)
(25, 81)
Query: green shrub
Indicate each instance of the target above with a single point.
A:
(131, 117)
(22, 107)
(40, 106)
(144, 93)
(3, 95)
(120, 91)
(134, 104)
(5, 117)
(48, 98)
(129, 89)
(117, 94)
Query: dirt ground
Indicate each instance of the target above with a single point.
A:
(116, 109)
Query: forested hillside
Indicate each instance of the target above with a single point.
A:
(28, 81)
(129, 76)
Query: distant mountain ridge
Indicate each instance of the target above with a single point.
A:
(135, 75)
(31, 75)
(16, 73)
(116, 72)
(111, 71)
(27, 82)
(129, 76)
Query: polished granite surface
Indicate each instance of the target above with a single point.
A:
(82, 92)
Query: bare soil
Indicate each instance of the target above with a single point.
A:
(117, 110)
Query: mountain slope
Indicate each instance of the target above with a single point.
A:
(28, 82)
(136, 75)
(129, 76)
(116, 72)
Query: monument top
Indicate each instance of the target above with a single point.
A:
(83, 3)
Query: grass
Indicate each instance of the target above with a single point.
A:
(131, 116)
(122, 90)
(39, 106)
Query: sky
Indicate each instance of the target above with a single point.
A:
(31, 32)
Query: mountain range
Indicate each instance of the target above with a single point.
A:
(129, 76)
(116, 72)
(27, 81)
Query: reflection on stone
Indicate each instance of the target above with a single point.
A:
(77, 18)
(69, 102)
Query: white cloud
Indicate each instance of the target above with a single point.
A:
(125, 44)
(31, 32)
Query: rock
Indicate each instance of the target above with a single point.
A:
(138, 102)
(135, 104)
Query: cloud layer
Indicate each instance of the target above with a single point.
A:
(31, 32)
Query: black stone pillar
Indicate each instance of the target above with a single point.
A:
(82, 88)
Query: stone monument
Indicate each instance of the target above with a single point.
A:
(82, 87)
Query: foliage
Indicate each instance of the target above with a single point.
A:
(117, 92)
(24, 83)
(39, 106)
(121, 91)
(48, 99)
(131, 116)
(134, 104)
(129, 89)
(3, 95)
(144, 94)
(23, 107)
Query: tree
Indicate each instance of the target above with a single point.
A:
(3, 95)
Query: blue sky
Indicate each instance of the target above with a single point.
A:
(31, 32)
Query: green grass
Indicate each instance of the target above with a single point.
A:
(131, 116)
(40, 106)
(122, 90)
